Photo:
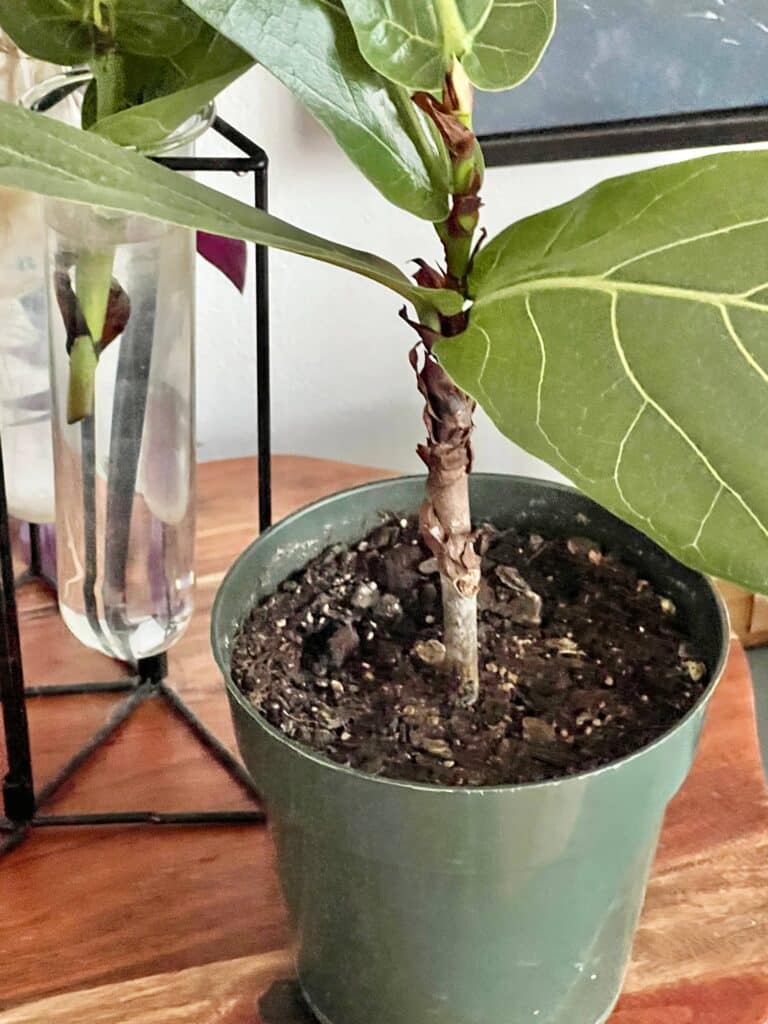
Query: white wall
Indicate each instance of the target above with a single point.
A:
(342, 386)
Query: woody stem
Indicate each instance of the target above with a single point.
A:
(446, 521)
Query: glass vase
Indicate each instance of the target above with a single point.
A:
(121, 324)
(25, 401)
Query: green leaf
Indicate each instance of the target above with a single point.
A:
(310, 46)
(499, 42)
(71, 31)
(155, 63)
(623, 338)
(174, 90)
(52, 32)
(155, 28)
(39, 154)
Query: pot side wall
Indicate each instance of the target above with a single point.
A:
(415, 903)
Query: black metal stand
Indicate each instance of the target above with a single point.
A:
(22, 803)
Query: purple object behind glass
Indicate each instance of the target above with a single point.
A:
(229, 255)
(46, 533)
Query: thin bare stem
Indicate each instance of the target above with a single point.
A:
(460, 630)
(445, 518)
(446, 522)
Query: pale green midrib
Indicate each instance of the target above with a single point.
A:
(613, 287)
(457, 36)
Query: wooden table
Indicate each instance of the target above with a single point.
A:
(164, 925)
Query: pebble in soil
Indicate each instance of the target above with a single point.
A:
(582, 661)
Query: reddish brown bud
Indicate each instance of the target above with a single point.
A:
(117, 314)
(427, 334)
(69, 307)
(429, 277)
(459, 140)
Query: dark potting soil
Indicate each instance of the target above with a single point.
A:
(582, 661)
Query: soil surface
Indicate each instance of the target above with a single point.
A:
(582, 662)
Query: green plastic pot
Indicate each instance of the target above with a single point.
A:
(498, 905)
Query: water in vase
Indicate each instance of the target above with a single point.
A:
(124, 472)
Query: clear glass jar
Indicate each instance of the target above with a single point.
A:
(25, 401)
(124, 471)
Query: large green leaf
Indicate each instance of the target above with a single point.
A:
(499, 42)
(174, 89)
(52, 32)
(66, 31)
(153, 27)
(155, 62)
(310, 46)
(623, 338)
(39, 154)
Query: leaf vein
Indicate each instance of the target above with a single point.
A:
(740, 344)
(689, 240)
(670, 419)
(617, 466)
(611, 287)
(481, 374)
(695, 542)
(539, 391)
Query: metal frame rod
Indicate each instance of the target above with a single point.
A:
(263, 383)
(251, 149)
(18, 786)
(209, 741)
(73, 689)
(35, 557)
(150, 818)
(120, 714)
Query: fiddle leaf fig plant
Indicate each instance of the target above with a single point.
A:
(154, 66)
(620, 336)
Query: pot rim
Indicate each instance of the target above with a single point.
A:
(465, 791)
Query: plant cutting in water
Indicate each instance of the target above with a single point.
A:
(151, 70)
(619, 337)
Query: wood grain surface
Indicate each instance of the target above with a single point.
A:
(186, 926)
